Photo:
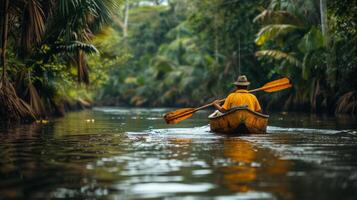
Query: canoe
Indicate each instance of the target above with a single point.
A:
(239, 120)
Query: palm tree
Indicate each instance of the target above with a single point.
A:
(13, 108)
(72, 27)
(293, 39)
(65, 26)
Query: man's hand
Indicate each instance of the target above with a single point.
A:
(216, 102)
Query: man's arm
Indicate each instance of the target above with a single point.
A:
(218, 107)
(257, 105)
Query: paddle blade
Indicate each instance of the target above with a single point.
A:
(178, 119)
(281, 81)
(277, 88)
(178, 115)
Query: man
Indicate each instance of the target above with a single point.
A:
(241, 97)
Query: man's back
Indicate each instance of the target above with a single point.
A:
(242, 98)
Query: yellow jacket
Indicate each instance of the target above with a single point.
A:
(242, 98)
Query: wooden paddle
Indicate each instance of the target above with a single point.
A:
(184, 113)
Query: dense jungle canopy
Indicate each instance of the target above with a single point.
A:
(65, 54)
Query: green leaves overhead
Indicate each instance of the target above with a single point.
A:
(82, 17)
(33, 25)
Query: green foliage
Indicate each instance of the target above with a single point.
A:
(277, 17)
(272, 31)
(279, 55)
(313, 40)
(315, 53)
(48, 45)
(189, 52)
(183, 52)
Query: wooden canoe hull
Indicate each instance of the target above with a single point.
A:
(239, 120)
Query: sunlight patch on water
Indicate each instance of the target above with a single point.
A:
(129, 111)
(157, 166)
(153, 179)
(201, 172)
(154, 118)
(65, 193)
(313, 147)
(205, 130)
(157, 189)
(248, 196)
(275, 129)
(202, 133)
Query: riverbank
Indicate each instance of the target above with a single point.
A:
(345, 105)
(56, 110)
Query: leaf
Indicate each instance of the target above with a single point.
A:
(273, 31)
(306, 69)
(163, 64)
(311, 41)
(277, 17)
(33, 25)
(131, 80)
(278, 55)
(75, 46)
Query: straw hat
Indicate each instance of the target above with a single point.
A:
(242, 80)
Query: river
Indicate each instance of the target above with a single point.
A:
(119, 153)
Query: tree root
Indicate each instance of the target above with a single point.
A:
(12, 108)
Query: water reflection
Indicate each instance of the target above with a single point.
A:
(131, 154)
(254, 169)
(238, 177)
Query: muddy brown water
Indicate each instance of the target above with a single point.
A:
(120, 153)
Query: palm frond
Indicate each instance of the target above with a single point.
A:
(311, 41)
(83, 17)
(306, 71)
(103, 12)
(66, 6)
(33, 25)
(278, 55)
(162, 65)
(277, 17)
(347, 103)
(75, 46)
(274, 4)
(272, 31)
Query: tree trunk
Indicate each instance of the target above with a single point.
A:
(126, 19)
(216, 42)
(239, 63)
(331, 71)
(5, 22)
(324, 27)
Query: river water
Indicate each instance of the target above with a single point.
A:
(118, 153)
